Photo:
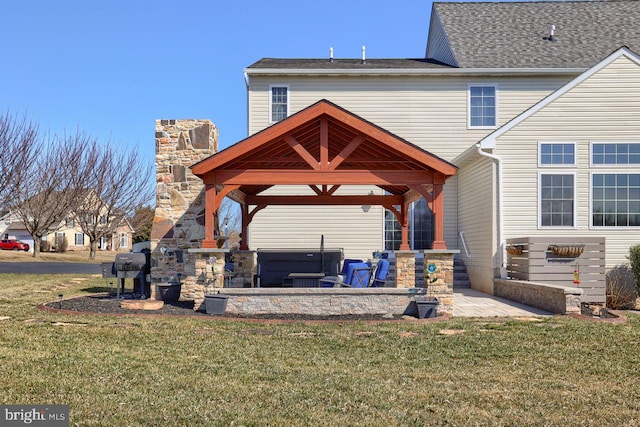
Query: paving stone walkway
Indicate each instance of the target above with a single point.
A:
(472, 303)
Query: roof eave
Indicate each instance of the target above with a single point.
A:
(415, 72)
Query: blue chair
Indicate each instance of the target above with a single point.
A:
(360, 276)
(331, 281)
(380, 275)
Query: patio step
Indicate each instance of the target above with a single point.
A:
(460, 275)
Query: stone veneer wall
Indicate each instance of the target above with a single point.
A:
(546, 296)
(438, 277)
(405, 269)
(179, 219)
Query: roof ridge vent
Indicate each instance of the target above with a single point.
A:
(364, 59)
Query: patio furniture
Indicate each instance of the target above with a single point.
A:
(380, 274)
(358, 275)
(330, 281)
(303, 280)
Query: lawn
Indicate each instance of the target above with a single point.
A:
(69, 256)
(128, 371)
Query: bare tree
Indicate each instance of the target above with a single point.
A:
(142, 222)
(19, 144)
(48, 187)
(118, 183)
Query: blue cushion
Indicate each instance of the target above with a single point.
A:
(363, 271)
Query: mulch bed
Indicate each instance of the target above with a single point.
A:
(104, 304)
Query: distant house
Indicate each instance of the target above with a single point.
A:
(70, 231)
(536, 103)
(120, 240)
(11, 228)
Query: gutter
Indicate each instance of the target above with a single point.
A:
(498, 161)
(413, 72)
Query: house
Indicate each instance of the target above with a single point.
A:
(536, 103)
(70, 231)
(76, 239)
(11, 228)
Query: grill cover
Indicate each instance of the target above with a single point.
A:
(130, 264)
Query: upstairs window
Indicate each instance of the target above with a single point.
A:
(483, 106)
(615, 153)
(556, 154)
(278, 103)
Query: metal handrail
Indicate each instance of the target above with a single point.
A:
(464, 244)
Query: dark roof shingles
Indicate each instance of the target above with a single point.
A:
(512, 34)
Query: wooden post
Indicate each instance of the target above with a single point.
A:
(438, 214)
(210, 195)
(404, 223)
(244, 242)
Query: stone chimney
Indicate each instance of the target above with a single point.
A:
(178, 225)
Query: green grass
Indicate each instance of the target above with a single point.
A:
(165, 371)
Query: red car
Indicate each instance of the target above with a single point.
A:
(13, 245)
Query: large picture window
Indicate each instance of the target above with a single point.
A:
(278, 103)
(557, 199)
(483, 106)
(615, 200)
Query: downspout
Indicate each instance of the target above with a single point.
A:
(498, 161)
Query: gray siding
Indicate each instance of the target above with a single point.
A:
(438, 47)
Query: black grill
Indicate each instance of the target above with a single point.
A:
(134, 265)
(130, 265)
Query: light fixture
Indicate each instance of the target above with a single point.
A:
(367, 208)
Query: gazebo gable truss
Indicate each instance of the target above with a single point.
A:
(324, 147)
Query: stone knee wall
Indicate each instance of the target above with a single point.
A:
(179, 219)
(546, 296)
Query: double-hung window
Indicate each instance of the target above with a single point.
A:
(556, 189)
(615, 194)
(123, 240)
(278, 103)
(482, 105)
(79, 241)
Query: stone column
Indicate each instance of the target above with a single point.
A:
(405, 269)
(244, 267)
(178, 224)
(209, 273)
(438, 277)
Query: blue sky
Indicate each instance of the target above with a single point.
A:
(112, 68)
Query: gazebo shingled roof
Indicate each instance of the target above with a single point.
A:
(324, 146)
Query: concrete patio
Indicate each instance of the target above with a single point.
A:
(472, 303)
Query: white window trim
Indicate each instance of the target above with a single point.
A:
(605, 172)
(123, 237)
(568, 165)
(575, 199)
(271, 100)
(469, 86)
(75, 239)
(610, 166)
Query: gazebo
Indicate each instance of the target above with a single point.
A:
(324, 147)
